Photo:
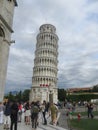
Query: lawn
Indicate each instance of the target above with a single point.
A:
(84, 124)
(85, 113)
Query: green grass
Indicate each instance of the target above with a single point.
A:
(85, 113)
(84, 124)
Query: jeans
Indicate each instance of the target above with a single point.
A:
(13, 123)
(44, 116)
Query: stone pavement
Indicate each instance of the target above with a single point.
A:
(63, 119)
(22, 126)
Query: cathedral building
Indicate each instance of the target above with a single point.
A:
(44, 80)
(6, 21)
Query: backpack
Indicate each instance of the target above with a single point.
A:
(34, 109)
(13, 112)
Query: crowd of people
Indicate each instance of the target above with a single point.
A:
(11, 113)
(71, 108)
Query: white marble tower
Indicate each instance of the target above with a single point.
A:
(44, 80)
(6, 21)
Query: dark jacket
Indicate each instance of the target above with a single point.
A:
(7, 110)
(14, 111)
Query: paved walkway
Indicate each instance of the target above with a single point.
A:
(63, 119)
(22, 126)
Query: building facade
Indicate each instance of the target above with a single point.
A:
(44, 80)
(6, 21)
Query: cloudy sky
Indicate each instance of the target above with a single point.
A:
(76, 23)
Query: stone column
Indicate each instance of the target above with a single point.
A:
(6, 20)
(4, 53)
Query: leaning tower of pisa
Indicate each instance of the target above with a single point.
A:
(44, 80)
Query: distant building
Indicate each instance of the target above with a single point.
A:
(77, 90)
(44, 80)
(6, 20)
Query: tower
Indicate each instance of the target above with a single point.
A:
(6, 20)
(44, 80)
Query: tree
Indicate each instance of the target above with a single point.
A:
(61, 94)
(25, 95)
(19, 96)
(11, 97)
(95, 88)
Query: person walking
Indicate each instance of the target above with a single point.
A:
(19, 112)
(53, 111)
(14, 115)
(7, 113)
(44, 111)
(27, 113)
(90, 110)
(34, 114)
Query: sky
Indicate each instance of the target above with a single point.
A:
(76, 23)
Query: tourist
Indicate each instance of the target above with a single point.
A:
(90, 109)
(7, 113)
(27, 113)
(44, 111)
(53, 111)
(19, 112)
(14, 115)
(34, 114)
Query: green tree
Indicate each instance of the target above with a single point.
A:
(82, 97)
(95, 88)
(61, 94)
(19, 96)
(11, 97)
(25, 95)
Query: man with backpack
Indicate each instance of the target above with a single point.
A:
(34, 114)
